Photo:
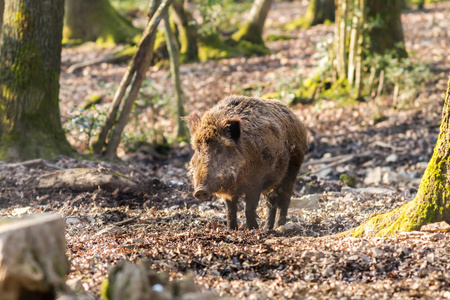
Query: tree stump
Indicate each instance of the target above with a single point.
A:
(33, 261)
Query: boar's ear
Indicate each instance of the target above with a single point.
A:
(193, 120)
(232, 129)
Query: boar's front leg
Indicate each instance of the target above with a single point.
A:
(232, 213)
(251, 203)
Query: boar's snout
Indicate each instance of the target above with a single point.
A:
(201, 194)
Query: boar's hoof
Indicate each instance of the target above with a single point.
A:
(201, 194)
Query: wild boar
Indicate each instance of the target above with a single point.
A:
(247, 146)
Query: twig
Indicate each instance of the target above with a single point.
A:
(380, 84)
(105, 59)
(32, 163)
(124, 222)
(386, 145)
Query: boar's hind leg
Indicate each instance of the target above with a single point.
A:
(279, 198)
(251, 203)
(232, 213)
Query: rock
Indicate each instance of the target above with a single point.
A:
(325, 173)
(33, 258)
(84, 180)
(306, 202)
(369, 190)
(374, 176)
(437, 237)
(392, 157)
(436, 227)
(288, 228)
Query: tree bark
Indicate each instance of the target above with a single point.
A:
(30, 62)
(96, 20)
(187, 34)
(252, 30)
(432, 202)
(2, 6)
(383, 36)
(388, 34)
(175, 73)
(318, 12)
(140, 62)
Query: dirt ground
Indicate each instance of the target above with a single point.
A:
(163, 224)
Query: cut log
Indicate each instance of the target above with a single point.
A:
(84, 180)
(33, 261)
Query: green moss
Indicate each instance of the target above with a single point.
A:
(278, 37)
(296, 24)
(348, 180)
(213, 47)
(92, 100)
(249, 32)
(105, 291)
(100, 23)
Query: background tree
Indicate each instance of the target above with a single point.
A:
(187, 32)
(318, 12)
(363, 28)
(2, 6)
(252, 30)
(96, 20)
(30, 61)
(432, 202)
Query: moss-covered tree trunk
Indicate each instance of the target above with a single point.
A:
(318, 12)
(432, 202)
(387, 34)
(30, 61)
(2, 5)
(96, 20)
(252, 30)
(187, 32)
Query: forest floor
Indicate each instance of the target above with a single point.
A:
(165, 225)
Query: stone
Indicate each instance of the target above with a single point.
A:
(392, 157)
(436, 227)
(374, 176)
(310, 201)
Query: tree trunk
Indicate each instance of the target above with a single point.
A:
(187, 34)
(30, 61)
(96, 20)
(252, 30)
(388, 34)
(2, 6)
(432, 202)
(421, 5)
(373, 25)
(175, 73)
(318, 12)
